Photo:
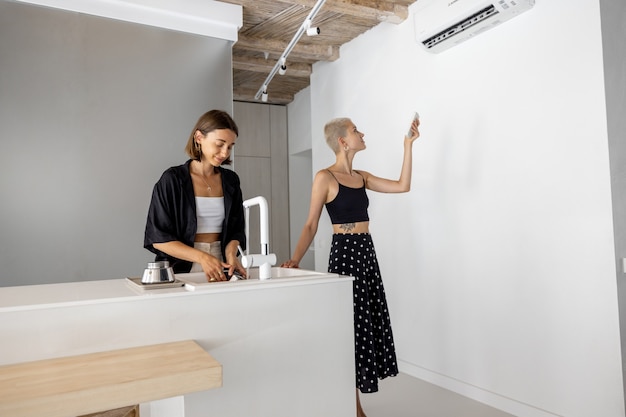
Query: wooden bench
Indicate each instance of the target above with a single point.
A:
(90, 383)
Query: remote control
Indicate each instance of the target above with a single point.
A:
(415, 117)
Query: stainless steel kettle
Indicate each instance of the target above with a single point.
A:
(158, 272)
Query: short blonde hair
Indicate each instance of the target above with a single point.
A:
(335, 129)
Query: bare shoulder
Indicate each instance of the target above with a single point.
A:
(324, 185)
(365, 174)
(323, 176)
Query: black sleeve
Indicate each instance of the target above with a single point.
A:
(168, 215)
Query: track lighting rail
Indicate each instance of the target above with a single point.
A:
(281, 63)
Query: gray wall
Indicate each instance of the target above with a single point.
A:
(92, 111)
(613, 15)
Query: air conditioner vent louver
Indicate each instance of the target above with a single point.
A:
(440, 24)
(459, 27)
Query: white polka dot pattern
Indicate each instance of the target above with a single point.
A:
(375, 356)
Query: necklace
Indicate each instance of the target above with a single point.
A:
(208, 187)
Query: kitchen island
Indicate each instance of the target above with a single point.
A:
(285, 344)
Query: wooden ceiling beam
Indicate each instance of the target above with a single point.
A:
(308, 52)
(274, 97)
(262, 40)
(294, 69)
(379, 10)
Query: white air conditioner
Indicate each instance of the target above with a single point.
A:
(441, 24)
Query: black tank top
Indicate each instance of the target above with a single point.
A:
(350, 205)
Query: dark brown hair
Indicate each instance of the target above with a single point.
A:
(208, 122)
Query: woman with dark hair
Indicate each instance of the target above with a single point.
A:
(342, 190)
(196, 219)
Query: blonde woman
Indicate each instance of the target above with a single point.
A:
(342, 190)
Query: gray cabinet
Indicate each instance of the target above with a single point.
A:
(260, 158)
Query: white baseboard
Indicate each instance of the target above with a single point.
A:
(508, 405)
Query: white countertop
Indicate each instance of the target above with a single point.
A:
(275, 338)
(32, 297)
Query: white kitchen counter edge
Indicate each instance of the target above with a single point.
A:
(35, 297)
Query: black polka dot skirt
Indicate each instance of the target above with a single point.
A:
(375, 355)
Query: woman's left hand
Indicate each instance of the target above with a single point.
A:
(235, 266)
(415, 133)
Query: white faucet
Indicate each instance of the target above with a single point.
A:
(265, 260)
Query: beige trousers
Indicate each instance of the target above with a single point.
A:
(214, 248)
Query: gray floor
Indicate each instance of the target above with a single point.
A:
(405, 396)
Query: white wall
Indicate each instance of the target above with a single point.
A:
(499, 264)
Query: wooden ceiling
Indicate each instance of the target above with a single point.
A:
(269, 26)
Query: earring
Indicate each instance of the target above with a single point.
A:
(346, 148)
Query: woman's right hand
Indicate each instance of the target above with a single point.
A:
(213, 268)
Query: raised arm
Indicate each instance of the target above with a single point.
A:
(402, 184)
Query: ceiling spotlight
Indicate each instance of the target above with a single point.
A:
(264, 96)
(283, 66)
(313, 31)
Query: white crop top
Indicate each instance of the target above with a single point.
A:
(210, 213)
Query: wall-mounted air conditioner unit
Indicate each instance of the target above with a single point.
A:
(441, 24)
